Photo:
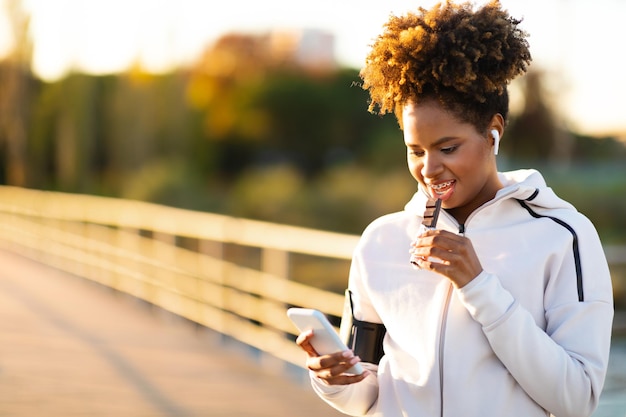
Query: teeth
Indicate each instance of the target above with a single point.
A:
(438, 187)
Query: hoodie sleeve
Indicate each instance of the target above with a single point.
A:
(355, 399)
(564, 366)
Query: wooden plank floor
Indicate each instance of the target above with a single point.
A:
(69, 348)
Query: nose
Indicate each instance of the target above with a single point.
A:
(431, 166)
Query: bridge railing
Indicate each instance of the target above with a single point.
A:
(177, 259)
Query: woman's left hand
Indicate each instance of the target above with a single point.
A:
(448, 254)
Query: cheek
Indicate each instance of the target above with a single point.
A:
(472, 171)
(415, 168)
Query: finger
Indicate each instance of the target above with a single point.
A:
(304, 337)
(423, 263)
(341, 359)
(442, 235)
(432, 254)
(328, 373)
(332, 369)
(433, 232)
(333, 359)
(460, 270)
(345, 379)
(304, 341)
(437, 265)
(445, 247)
(440, 238)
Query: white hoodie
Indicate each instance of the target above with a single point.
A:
(529, 336)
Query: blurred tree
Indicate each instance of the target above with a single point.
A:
(537, 134)
(310, 119)
(222, 86)
(260, 107)
(15, 80)
(598, 149)
(153, 132)
(532, 134)
(95, 133)
(68, 139)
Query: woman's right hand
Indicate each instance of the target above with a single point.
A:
(330, 368)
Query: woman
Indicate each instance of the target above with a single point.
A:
(508, 309)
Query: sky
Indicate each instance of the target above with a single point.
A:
(578, 43)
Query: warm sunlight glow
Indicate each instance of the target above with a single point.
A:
(104, 36)
(6, 39)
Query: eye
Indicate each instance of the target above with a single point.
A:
(449, 149)
(416, 153)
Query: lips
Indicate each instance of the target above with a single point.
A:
(442, 190)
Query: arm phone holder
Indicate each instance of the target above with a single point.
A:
(363, 337)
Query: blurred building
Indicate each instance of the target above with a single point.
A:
(311, 49)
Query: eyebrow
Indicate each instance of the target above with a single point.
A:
(438, 142)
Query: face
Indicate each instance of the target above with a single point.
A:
(450, 159)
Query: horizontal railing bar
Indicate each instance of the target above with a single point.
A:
(236, 282)
(175, 221)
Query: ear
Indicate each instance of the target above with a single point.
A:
(496, 129)
(496, 141)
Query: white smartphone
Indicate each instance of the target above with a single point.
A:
(325, 339)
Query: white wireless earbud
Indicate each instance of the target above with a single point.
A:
(496, 141)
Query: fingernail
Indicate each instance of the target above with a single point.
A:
(347, 354)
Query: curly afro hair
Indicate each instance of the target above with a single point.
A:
(460, 57)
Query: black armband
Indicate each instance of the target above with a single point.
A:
(366, 340)
(363, 337)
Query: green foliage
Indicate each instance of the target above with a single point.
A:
(91, 133)
(273, 142)
(597, 190)
(346, 198)
(533, 133)
(268, 192)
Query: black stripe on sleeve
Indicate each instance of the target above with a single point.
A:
(579, 273)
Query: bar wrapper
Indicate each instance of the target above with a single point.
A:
(431, 215)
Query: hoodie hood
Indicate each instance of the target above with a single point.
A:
(524, 184)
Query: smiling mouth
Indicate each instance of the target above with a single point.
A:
(442, 189)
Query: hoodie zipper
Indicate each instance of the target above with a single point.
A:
(446, 307)
(442, 342)
(442, 335)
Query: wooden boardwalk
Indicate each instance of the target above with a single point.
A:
(72, 348)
